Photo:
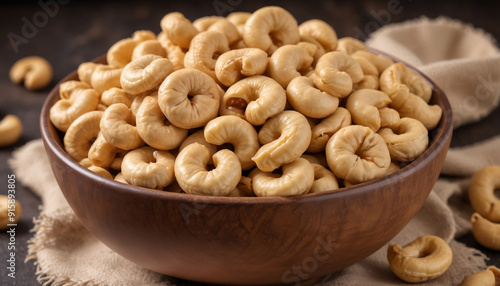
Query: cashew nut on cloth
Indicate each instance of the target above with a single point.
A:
(105, 77)
(357, 154)
(35, 72)
(321, 132)
(11, 129)
(284, 138)
(218, 24)
(236, 131)
(120, 53)
(81, 134)
(488, 277)
(178, 29)
(335, 73)
(406, 141)
(321, 32)
(145, 73)
(149, 168)
(409, 93)
(189, 98)
(257, 98)
(297, 178)
(304, 97)
(482, 192)
(270, 28)
(155, 129)
(233, 65)
(364, 106)
(289, 62)
(118, 129)
(4, 207)
(193, 176)
(324, 180)
(149, 47)
(486, 232)
(425, 258)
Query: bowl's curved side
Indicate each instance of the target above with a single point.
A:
(246, 240)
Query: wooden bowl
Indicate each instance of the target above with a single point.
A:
(252, 241)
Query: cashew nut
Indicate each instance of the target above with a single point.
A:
(482, 192)
(297, 179)
(218, 24)
(364, 105)
(117, 129)
(370, 74)
(120, 53)
(304, 97)
(270, 28)
(14, 206)
(67, 87)
(81, 134)
(116, 95)
(138, 99)
(485, 232)
(243, 189)
(174, 53)
(288, 62)
(350, 45)
(284, 138)
(192, 175)
(35, 72)
(406, 141)
(145, 73)
(313, 48)
(393, 168)
(236, 131)
(317, 158)
(155, 129)
(379, 61)
(239, 20)
(198, 137)
(102, 153)
(257, 97)
(100, 171)
(119, 178)
(116, 164)
(488, 277)
(400, 83)
(149, 47)
(178, 29)
(336, 72)
(85, 71)
(189, 98)
(66, 110)
(149, 168)
(11, 129)
(324, 180)
(105, 77)
(357, 154)
(425, 258)
(388, 117)
(321, 32)
(204, 50)
(231, 66)
(321, 133)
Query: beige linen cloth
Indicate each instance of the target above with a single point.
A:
(462, 60)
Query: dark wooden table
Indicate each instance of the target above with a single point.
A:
(67, 33)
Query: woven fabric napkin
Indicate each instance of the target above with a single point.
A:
(462, 60)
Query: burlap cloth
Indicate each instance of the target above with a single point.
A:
(463, 61)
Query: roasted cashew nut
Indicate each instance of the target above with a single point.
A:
(485, 232)
(257, 97)
(174, 53)
(120, 53)
(488, 277)
(482, 192)
(189, 98)
(321, 132)
(231, 66)
(364, 105)
(236, 131)
(357, 154)
(288, 62)
(379, 61)
(81, 134)
(350, 45)
(145, 73)
(138, 99)
(425, 258)
(149, 47)
(218, 24)
(198, 137)
(116, 95)
(100, 171)
(193, 177)
(284, 138)
(36, 72)
(243, 189)
(389, 117)
(400, 83)
(321, 32)
(119, 178)
(102, 153)
(105, 77)
(336, 72)
(297, 179)
(149, 168)
(204, 50)
(324, 180)
(117, 129)
(154, 128)
(65, 111)
(317, 158)
(85, 71)
(270, 28)
(11, 129)
(304, 97)
(239, 20)
(67, 87)
(178, 29)
(6, 204)
(313, 48)
(370, 74)
(407, 141)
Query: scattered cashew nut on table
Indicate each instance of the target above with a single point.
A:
(482, 192)
(5, 203)
(35, 72)
(488, 277)
(485, 232)
(11, 129)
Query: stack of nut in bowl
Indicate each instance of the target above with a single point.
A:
(251, 104)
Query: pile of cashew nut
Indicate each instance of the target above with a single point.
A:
(252, 104)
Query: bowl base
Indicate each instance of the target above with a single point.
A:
(308, 282)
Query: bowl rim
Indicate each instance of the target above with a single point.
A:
(443, 133)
